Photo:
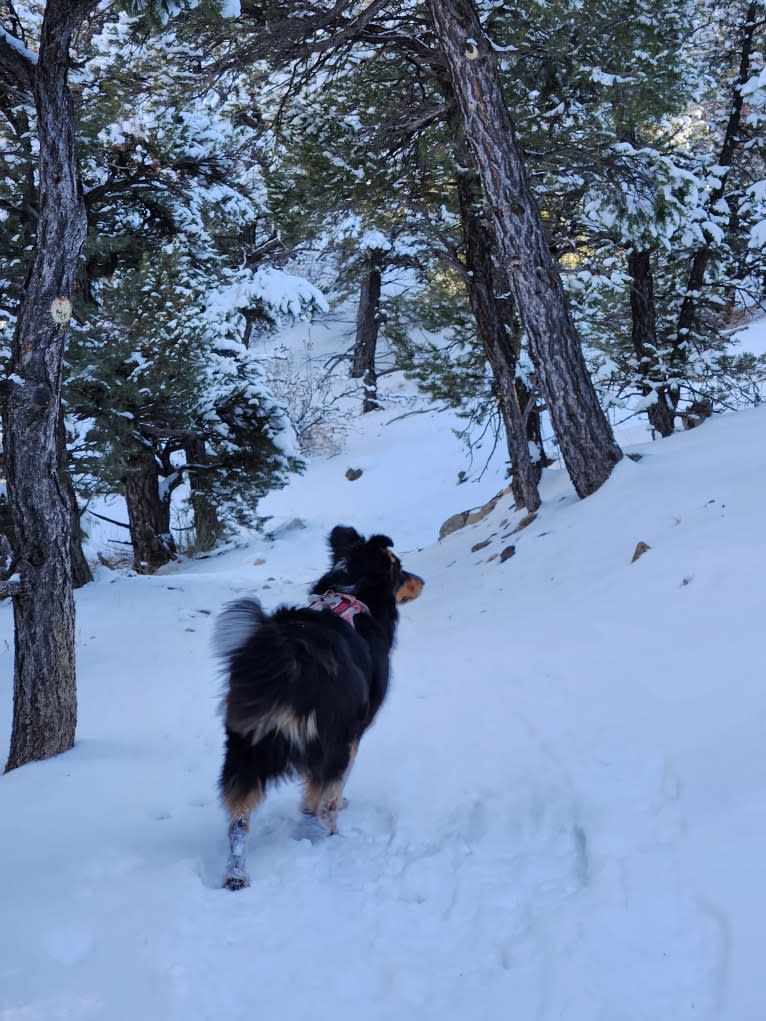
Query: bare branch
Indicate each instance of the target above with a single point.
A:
(103, 517)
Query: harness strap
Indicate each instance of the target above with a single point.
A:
(342, 604)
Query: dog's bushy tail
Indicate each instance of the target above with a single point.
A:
(261, 656)
(235, 626)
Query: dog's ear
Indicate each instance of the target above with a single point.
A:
(342, 540)
(380, 540)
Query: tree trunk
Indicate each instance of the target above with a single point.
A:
(148, 512)
(207, 526)
(81, 573)
(45, 700)
(644, 333)
(582, 429)
(690, 307)
(528, 402)
(367, 324)
(493, 324)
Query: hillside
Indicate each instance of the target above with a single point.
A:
(560, 812)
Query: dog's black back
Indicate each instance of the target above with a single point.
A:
(303, 684)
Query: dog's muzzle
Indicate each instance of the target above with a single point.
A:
(410, 588)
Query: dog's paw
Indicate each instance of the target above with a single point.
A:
(236, 881)
(328, 816)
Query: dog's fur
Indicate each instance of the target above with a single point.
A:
(303, 684)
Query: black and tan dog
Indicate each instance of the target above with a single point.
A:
(304, 683)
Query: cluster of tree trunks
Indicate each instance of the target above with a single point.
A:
(499, 334)
(663, 379)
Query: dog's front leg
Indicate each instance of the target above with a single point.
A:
(329, 808)
(330, 798)
(311, 796)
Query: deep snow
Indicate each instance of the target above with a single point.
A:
(559, 814)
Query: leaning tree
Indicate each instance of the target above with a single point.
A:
(45, 702)
(582, 429)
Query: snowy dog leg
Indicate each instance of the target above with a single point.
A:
(236, 877)
(236, 873)
(329, 798)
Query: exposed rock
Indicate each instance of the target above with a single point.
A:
(352, 474)
(507, 553)
(639, 551)
(453, 524)
(525, 521)
(471, 517)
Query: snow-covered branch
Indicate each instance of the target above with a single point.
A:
(17, 64)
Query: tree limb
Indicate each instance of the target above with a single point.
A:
(17, 65)
(292, 38)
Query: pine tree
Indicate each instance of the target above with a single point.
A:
(374, 144)
(176, 206)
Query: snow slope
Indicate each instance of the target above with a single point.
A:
(559, 814)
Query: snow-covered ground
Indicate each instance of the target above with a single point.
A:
(560, 812)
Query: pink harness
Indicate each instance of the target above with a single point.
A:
(344, 605)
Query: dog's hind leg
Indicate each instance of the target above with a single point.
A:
(327, 796)
(239, 826)
(247, 769)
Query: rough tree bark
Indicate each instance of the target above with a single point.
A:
(367, 325)
(27, 210)
(644, 335)
(207, 525)
(45, 701)
(81, 573)
(148, 507)
(493, 326)
(583, 432)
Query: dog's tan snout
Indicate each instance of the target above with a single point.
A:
(410, 588)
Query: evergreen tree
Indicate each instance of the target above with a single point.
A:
(176, 218)
(633, 115)
(377, 142)
(163, 368)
